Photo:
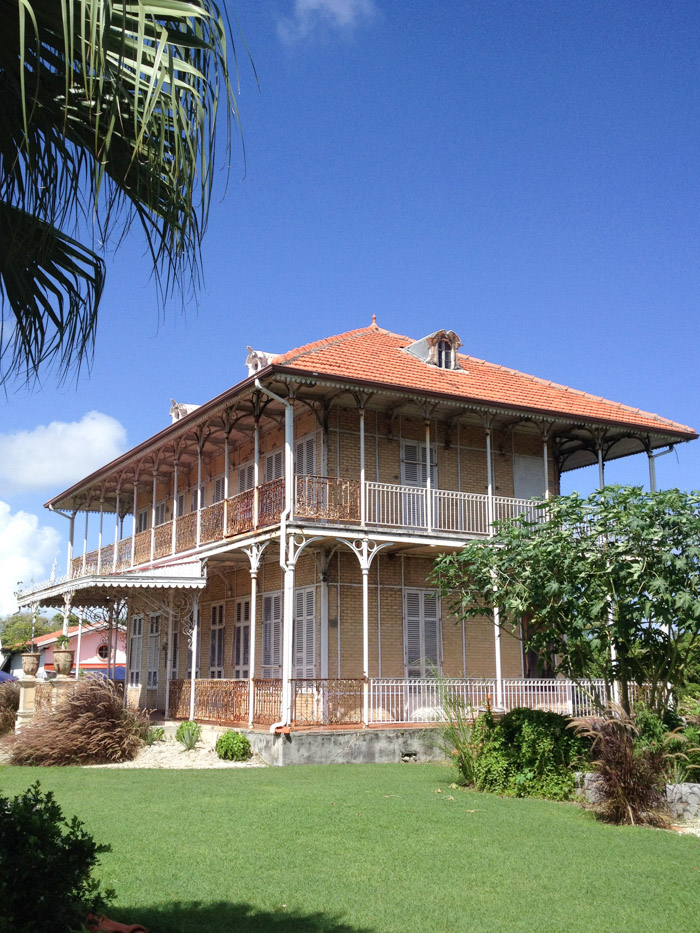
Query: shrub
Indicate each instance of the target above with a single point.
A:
(89, 726)
(188, 734)
(529, 753)
(232, 746)
(154, 734)
(47, 863)
(9, 704)
(629, 776)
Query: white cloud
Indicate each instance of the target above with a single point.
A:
(59, 454)
(27, 552)
(310, 15)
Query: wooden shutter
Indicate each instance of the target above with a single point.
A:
(410, 465)
(305, 632)
(246, 477)
(274, 465)
(241, 640)
(412, 630)
(431, 631)
(305, 456)
(272, 634)
(219, 490)
(216, 644)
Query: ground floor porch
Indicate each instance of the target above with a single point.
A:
(322, 703)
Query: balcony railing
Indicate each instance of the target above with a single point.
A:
(325, 499)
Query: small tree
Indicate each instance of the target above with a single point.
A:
(610, 585)
(17, 629)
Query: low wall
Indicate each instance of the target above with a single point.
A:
(361, 746)
(683, 799)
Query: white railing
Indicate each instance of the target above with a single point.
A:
(508, 507)
(413, 699)
(460, 511)
(554, 695)
(396, 506)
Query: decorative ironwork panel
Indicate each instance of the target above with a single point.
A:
(327, 701)
(124, 554)
(163, 540)
(186, 534)
(327, 498)
(212, 523)
(142, 547)
(106, 559)
(239, 514)
(270, 502)
(221, 700)
(268, 700)
(179, 699)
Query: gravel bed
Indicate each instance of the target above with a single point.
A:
(171, 754)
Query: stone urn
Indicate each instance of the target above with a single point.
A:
(63, 661)
(30, 663)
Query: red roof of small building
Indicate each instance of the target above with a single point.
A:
(372, 354)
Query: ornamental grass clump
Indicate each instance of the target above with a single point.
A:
(232, 746)
(89, 726)
(456, 735)
(9, 704)
(629, 777)
(188, 734)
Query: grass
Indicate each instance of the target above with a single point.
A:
(353, 848)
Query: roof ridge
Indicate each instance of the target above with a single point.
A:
(373, 328)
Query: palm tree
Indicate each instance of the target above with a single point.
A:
(107, 115)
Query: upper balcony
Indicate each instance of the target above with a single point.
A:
(330, 501)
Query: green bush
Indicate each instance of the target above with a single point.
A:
(154, 734)
(456, 735)
(232, 746)
(46, 881)
(188, 734)
(528, 753)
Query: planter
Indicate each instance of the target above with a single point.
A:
(63, 661)
(30, 663)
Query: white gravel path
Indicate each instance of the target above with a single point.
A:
(171, 754)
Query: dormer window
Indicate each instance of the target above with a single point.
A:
(444, 354)
(438, 349)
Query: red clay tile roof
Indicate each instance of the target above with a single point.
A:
(376, 355)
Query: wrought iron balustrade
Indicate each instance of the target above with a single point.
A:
(325, 701)
(327, 498)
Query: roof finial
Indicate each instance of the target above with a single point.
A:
(374, 321)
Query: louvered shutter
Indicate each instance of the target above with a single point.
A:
(305, 456)
(274, 465)
(410, 466)
(246, 476)
(241, 640)
(299, 633)
(272, 634)
(412, 629)
(310, 634)
(431, 632)
(181, 505)
(219, 490)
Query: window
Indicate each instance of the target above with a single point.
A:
(246, 477)
(305, 456)
(445, 354)
(194, 501)
(241, 640)
(272, 635)
(304, 632)
(174, 655)
(141, 521)
(153, 653)
(103, 652)
(135, 651)
(219, 493)
(181, 505)
(422, 641)
(274, 465)
(216, 642)
(414, 464)
(160, 513)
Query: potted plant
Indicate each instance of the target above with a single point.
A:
(30, 659)
(63, 656)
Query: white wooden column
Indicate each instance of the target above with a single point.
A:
(71, 534)
(364, 567)
(195, 641)
(133, 530)
(226, 471)
(153, 515)
(256, 471)
(251, 645)
(545, 458)
(169, 654)
(85, 535)
(652, 471)
(428, 482)
(116, 535)
(173, 542)
(496, 611)
(287, 636)
(99, 536)
(363, 487)
(601, 468)
(199, 492)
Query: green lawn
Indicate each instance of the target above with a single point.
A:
(353, 848)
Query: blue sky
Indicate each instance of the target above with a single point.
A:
(526, 174)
